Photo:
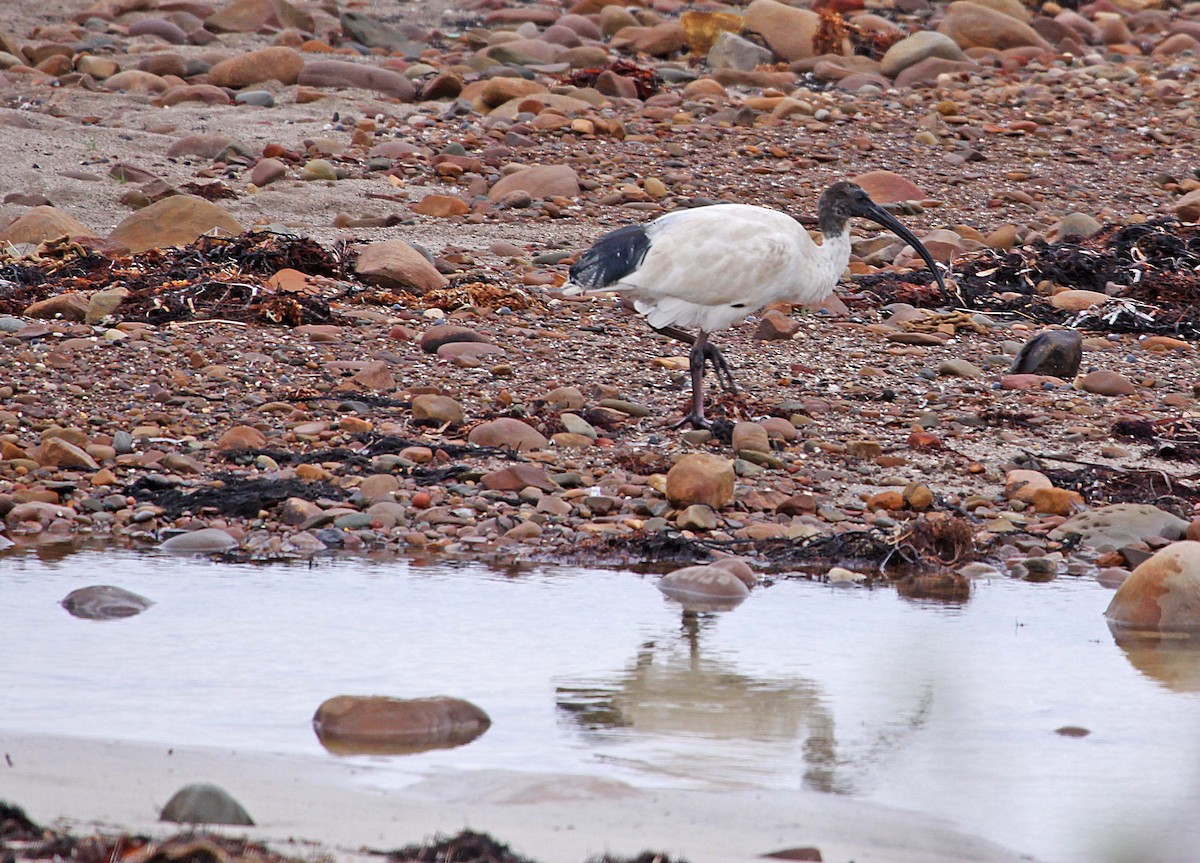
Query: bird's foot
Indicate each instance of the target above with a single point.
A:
(696, 420)
(720, 368)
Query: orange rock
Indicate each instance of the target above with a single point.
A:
(442, 206)
(1056, 501)
(242, 437)
(1162, 594)
(891, 500)
(1022, 484)
(701, 478)
(56, 452)
(1164, 343)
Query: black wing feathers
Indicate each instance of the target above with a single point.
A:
(614, 257)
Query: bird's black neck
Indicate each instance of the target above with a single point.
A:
(831, 221)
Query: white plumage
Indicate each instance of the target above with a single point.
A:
(709, 267)
(685, 278)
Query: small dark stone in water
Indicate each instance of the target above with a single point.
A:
(332, 536)
(935, 585)
(1072, 731)
(1040, 569)
(104, 602)
(1050, 352)
(805, 853)
(204, 804)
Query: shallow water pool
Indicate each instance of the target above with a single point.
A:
(947, 709)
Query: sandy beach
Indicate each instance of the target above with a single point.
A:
(310, 807)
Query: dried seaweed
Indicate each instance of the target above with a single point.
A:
(465, 847)
(213, 277)
(235, 496)
(646, 80)
(1151, 269)
(15, 825)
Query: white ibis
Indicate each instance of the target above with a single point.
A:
(709, 267)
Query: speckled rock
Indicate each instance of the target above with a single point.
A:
(249, 16)
(539, 181)
(1106, 383)
(275, 63)
(436, 410)
(919, 46)
(1121, 524)
(971, 25)
(886, 187)
(704, 583)
(787, 30)
(203, 541)
(342, 73)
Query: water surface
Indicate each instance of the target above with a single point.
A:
(946, 709)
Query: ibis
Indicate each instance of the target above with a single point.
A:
(707, 268)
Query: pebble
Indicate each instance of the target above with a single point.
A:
(204, 541)
(104, 602)
(1106, 383)
(704, 584)
(396, 264)
(348, 724)
(437, 410)
(700, 478)
(508, 433)
(202, 803)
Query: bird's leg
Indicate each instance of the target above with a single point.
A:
(711, 353)
(696, 358)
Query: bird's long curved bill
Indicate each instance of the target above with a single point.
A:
(883, 217)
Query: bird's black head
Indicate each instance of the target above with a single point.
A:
(844, 200)
(839, 203)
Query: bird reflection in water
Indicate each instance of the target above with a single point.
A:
(684, 710)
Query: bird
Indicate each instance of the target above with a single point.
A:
(709, 267)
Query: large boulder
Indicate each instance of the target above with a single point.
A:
(1162, 594)
(397, 265)
(788, 31)
(174, 221)
(276, 63)
(41, 224)
(1121, 524)
(973, 26)
(539, 181)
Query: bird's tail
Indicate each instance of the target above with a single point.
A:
(614, 257)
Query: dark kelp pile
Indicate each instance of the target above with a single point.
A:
(21, 839)
(214, 277)
(1152, 271)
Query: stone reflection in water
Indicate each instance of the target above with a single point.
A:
(671, 689)
(1172, 659)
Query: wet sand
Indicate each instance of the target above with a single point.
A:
(306, 806)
